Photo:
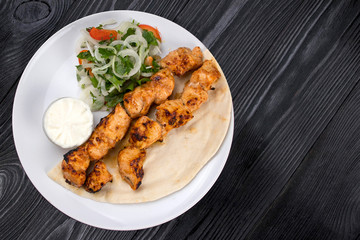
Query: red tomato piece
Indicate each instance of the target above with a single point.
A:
(102, 34)
(155, 31)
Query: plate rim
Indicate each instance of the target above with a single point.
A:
(228, 136)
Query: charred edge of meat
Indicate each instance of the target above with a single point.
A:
(192, 101)
(173, 117)
(137, 136)
(139, 171)
(156, 78)
(134, 187)
(185, 60)
(69, 154)
(167, 113)
(90, 190)
(128, 180)
(105, 119)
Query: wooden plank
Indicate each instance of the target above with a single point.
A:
(322, 199)
(21, 35)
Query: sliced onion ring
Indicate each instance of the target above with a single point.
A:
(104, 67)
(143, 52)
(123, 27)
(138, 39)
(137, 65)
(116, 42)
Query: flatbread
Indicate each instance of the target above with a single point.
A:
(173, 163)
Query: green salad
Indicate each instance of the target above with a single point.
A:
(115, 61)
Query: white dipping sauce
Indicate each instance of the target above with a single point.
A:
(68, 122)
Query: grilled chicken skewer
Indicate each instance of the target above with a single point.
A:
(195, 90)
(131, 159)
(75, 164)
(176, 113)
(108, 132)
(137, 102)
(97, 178)
(182, 60)
(170, 114)
(111, 129)
(143, 133)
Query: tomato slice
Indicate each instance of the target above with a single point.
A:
(155, 31)
(102, 34)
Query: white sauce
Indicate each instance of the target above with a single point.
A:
(68, 122)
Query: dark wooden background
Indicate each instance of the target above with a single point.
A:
(293, 68)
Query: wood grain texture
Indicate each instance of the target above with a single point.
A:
(322, 198)
(293, 68)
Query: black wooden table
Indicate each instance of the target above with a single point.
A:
(293, 68)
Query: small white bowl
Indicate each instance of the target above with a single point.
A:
(68, 122)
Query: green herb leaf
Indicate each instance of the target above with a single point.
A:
(123, 66)
(116, 82)
(118, 47)
(106, 53)
(97, 104)
(145, 68)
(148, 69)
(79, 67)
(93, 97)
(87, 56)
(143, 80)
(94, 82)
(136, 23)
(150, 38)
(130, 87)
(78, 77)
(111, 39)
(100, 26)
(130, 31)
(113, 99)
(156, 66)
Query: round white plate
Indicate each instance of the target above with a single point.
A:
(50, 75)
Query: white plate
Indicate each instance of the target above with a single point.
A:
(50, 75)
